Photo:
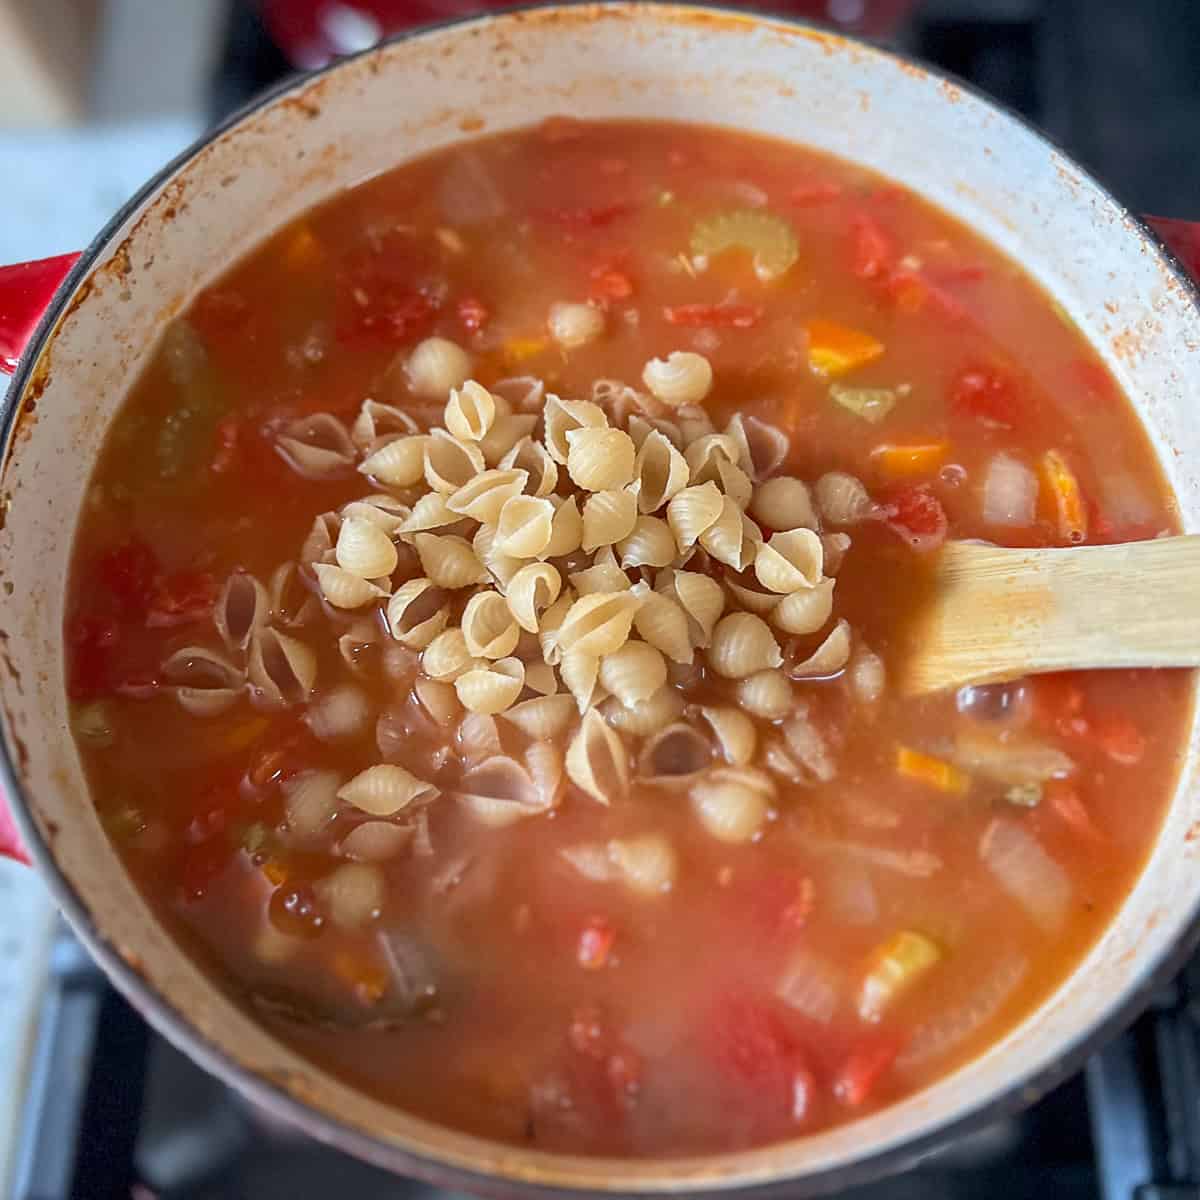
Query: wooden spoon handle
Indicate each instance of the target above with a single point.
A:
(997, 614)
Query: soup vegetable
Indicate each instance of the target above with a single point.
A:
(487, 633)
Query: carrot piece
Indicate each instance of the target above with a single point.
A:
(302, 250)
(903, 459)
(518, 349)
(835, 349)
(1070, 511)
(939, 774)
(1066, 804)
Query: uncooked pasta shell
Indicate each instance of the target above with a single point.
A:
(205, 683)
(447, 657)
(482, 497)
(493, 688)
(733, 539)
(376, 841)
(692, 511)
(448, 560)
(416, 613)
(580, 674)
(386, 789)
(828, 658)
(683, 377)
(342, 712)
(566, 530)
(604, 575)
(732, 803)
(633, 672)
(804, 611)
(608, 517)
(649, 716)
(525, 527)
(376, 420)
(282, 670)
(762, 448)
(783, 503)
(343, 589)
(310, 801)
(599, 459)
(701, 599)
(598, 624)
(505, 433)
(530, 591)
(560, 416)
(674, 756)
(735, 733)
(317, 447)
(398, 463)
(662, 622)
(488, 626)
(543, 716)
(741, 645)
(790, 561)
(379, 509)
(534, 459)
(646, 864)
(242, 608)
(364, 549)
(766, 694)
(470, 412)
(651, 544)
(596, 760)
(353, 894)
(449, 463)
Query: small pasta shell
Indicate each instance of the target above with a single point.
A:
(416, 613)
(701, 599)
(735, 733)
(343, 589)
(580, 675)
(753, 599)
(804, 611)
(706, 452)
(310, 801)
(525, 527)
(634, 672)
(693, 422)
(478, 738)
(342, 712)
(380, 509)
(353, 894)
(531, 591)
(470, 412)
(651, 544)
(604, 575)
(783, 503)
(206, 683)
(501, 567)
(435, 366)
(450, 463)
(506, 432)
(828, 658)
(449, 561)
(575, 325)
(599, 459)
(560, 416)
(242, 608)
(566, 530)
(534, 459)
(734, 482)
(544, 761)
(596, 760)
(483, 497)
(364, 549)
(488, 626)
(399, 463)
(608, 517)
(842, 499)
(835, 546)
(661, 622)
(376, 841)
(551, 624)
(790, 561)
(762, 448)
(692, 511)
(600, 623)
(766, 694)
(376, 420)
(649, 716)
(661, 471)
(732, 803)
(386, 789)
(543, 716)
(493, 688)
(438, 699)
(500, 791)
(318, 544)
(733, 539)
(741, 645)
(447, 657)
(674, 756)
(647, 864)
(431, 511)
(317, 447)
(683, 377)
(539, 675)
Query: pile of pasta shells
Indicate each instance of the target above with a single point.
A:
(574, 568)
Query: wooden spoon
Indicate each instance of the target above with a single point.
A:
(998, 614)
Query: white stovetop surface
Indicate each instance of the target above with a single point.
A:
(61, 186)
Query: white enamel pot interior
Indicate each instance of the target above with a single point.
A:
(304, 144)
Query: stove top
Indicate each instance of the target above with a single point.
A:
(113, 1111)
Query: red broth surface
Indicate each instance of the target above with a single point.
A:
(855, 892)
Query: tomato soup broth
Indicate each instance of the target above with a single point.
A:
(486, 619)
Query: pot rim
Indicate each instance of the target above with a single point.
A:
(175, 1025)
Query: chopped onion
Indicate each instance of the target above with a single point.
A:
(1010, 492)
(812, 985)
(850, 896)
(917, 864)
(1009, 758)
(1026, 872)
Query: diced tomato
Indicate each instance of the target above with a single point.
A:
(987, 395)
(90, 642)
(607, 283)
(472, 313)
(388, 294)
(917, 515)
(595, 216)
(858, 1076)
(181, 598)
(595, 944)
(1067, 805)
(734, 316)
(776, 904)
(912, 292)
(872, 249)
(198, 865)
(225, 457)
(749, 1042)
(817, 192)
(128, 574)
(1119, 738)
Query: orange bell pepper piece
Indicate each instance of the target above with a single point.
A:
(936, 772)
(903, 459)
(835, 349)
(1070, 511)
